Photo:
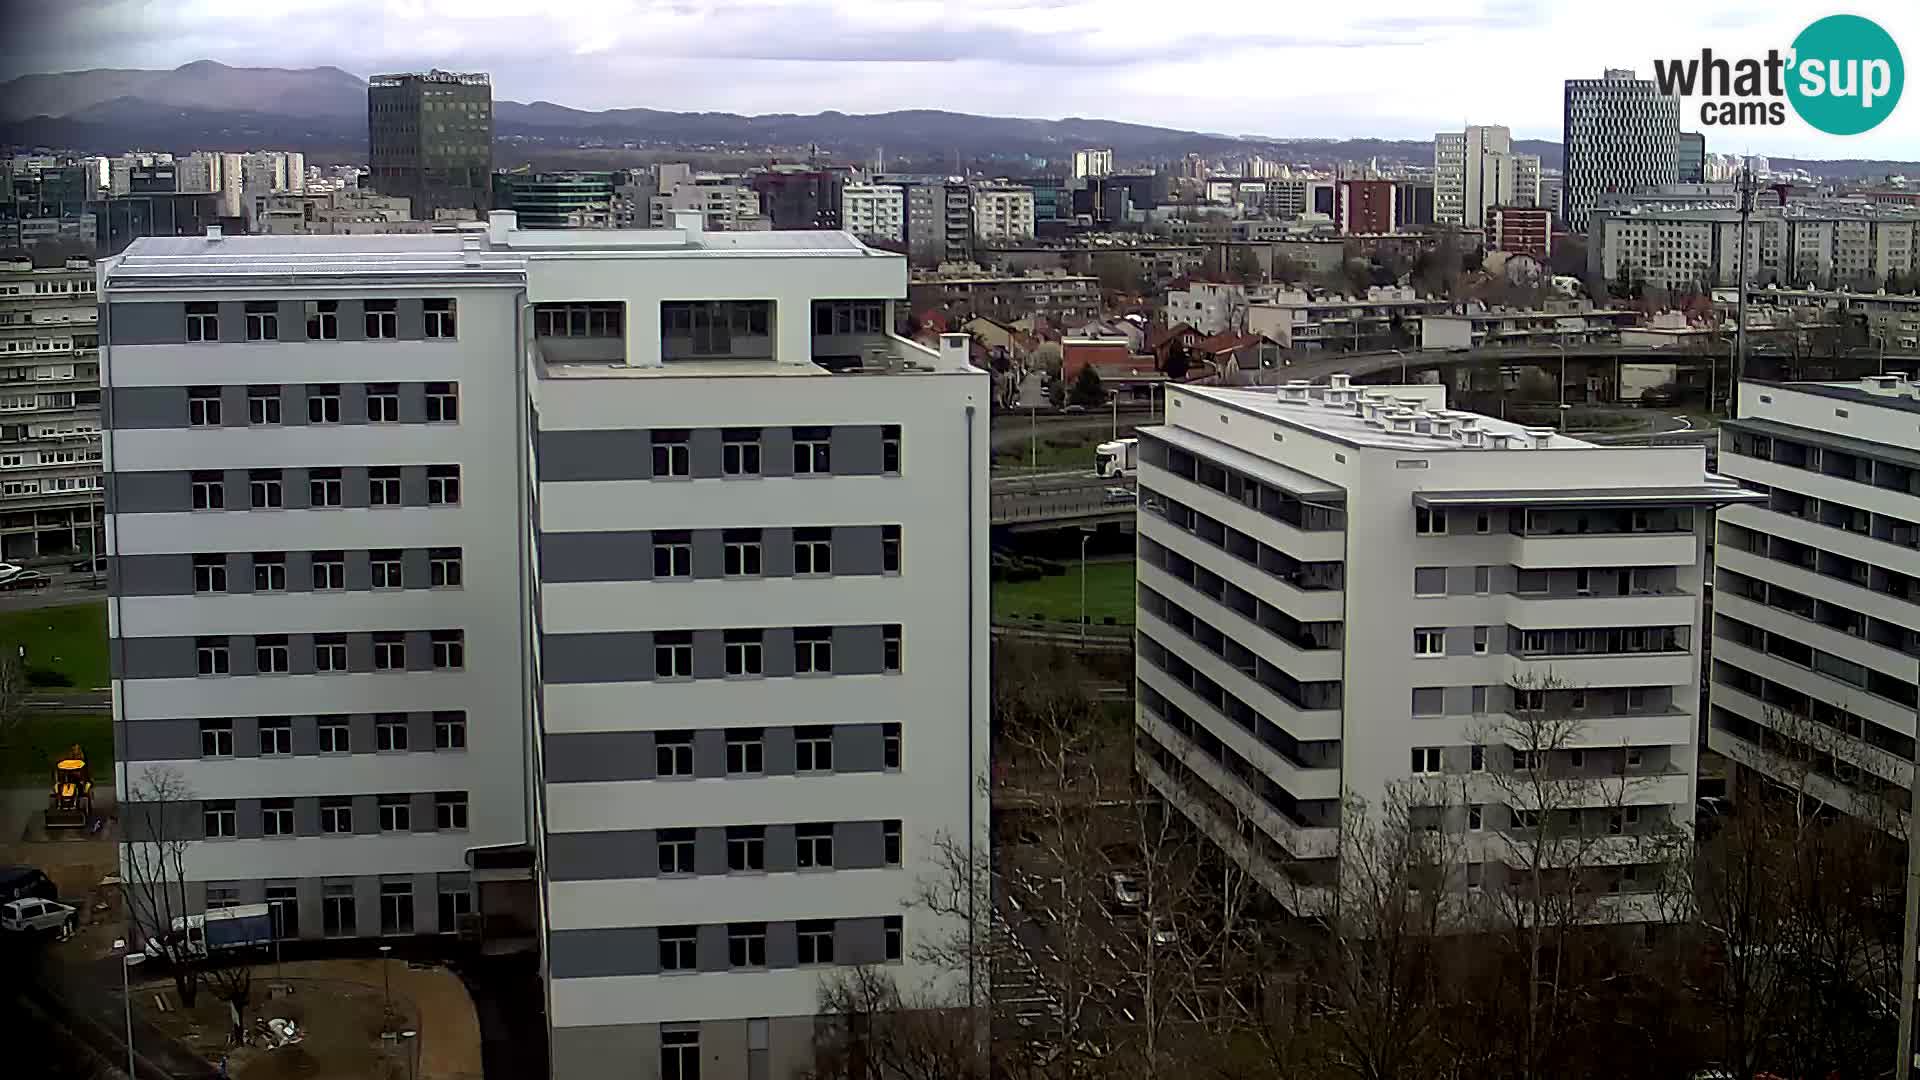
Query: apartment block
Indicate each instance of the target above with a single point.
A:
(1002, 213)
(1817, 593)
(49, 410)
(1349, 591)
(690, 594)
(1476, 169)
(1830, 245)
(1620, 134)
(874, 210)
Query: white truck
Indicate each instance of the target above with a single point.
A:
(1120, 457)
(222, 928)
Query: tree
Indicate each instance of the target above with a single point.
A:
(1246, 265)
(1176, 363)
(1569, 256)
(156, 820)
(13, 699)
(869, 1029)
(1087, 388)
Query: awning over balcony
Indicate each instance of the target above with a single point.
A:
(1701, 494)
(1303, 486)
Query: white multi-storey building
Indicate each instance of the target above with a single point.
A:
(49, 410)
(1344, 591)
(1831, 245)
(874, 210)
(1002, 213)
(1093, 162)
(1476, 169)
(725, 206)
(715, 636)
(1817, 597)
(1620, 134)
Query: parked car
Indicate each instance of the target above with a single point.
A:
(25, 579)
(1160, 930)
(95, 565)
(39, 916)
(1120, 495)
(18, 882)
(1124, 889)
(8, 569)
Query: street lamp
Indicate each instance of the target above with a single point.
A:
(1085, 535)
(1562, 343)
(386, 988)
(1115, 399)
(407, 1048)
(128, 960)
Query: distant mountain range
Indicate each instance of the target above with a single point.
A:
(208, 105)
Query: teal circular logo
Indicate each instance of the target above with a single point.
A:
(1846, 75)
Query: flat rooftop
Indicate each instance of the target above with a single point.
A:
(1343, 425)
(1901, 395)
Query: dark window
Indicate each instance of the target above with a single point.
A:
(390, 731)
(203, 322)
(743, 651)
(450, 810)
(210, 655)
(813, 551)
(216, 738)
(816, 941)
(740, 452)
(384, 568)
(389, 651)
(335, 735)
(443, 568)
(678, 948)
(812, 450)
(323, 320)
(890, 548)
(276, 736)
(276, 819)
(383, 486)
(813, 749)
(383, 318)
(679, 1054)
(890, 841)
(323, 403)
(263, 321)
(894, 931)
(203, 406)
(219, 817)
(890, 745)
(449, 649)
(746, 751)
(209, 573)
(396, 813)
(383, 403)
(264, 490)
(443, 402)
(325, 488)
(673, 654)
(396, 907)
(673, 754)
(747, 945)
(209, 491)
(814, 846)
(449, 731)
(676, 851)
(746, 847)
(329, 571)
(890, 648)
(336, 911)
(890, 448)
(439, 316)
(671, 453)
(741, 552)
(443, 485)
(672, 554)
(336, 816)
(813, 650)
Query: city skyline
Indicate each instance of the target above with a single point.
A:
(1372, 77)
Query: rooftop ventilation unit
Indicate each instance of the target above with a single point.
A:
(1541, 437)
(1472, 437)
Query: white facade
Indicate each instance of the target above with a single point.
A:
(874, 210)
(1833, 246)
(1093, 162)
(49, 410)
(1208, 306)
(725, 206)
(1816, 611)
(1341, 592)
(1621, 134)
(1003, 213)
(1476, 169)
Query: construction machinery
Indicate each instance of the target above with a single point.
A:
(70, 803)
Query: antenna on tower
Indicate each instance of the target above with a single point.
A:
(1744, 187)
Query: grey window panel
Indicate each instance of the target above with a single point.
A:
(355, 489)
(710, 850)
(362, 732)
(595, 455)
(856, 549)
(178, 820)
(600, 953)
(299, 571)
(413, 485)
(1428, 701)
(353, 402)
(233, 399)
(420, 651)
(426, 904)
(306, 815)
(424, 819)
(359, 660)
(597, 658)
(239, 571)
(240, 659)
(353, 320)
(147, 406)
(294, 494)
(366, 815)
(783, 945)
(239, 497)
(776, 552)
(156, 658)
(857, 650)
(603, 856)
(419, 729)
(233, 321)
(859, 845)
(246, 736)
(1457, 700)
(300, 654)
(247, 824)
(1460, 580)
(709, 753)
(366, 900)
(412, 322)
(1496, 639)
(776, 451)
(150, 492)
(359, 572)
(778, 753)
(159, 740)
(703, 452)
(312, 919)
(709, 554)
(857, 747)
(709, 654)
(1428, 580)
(306, 733)
(859, 941)
(1460, 641)
(1502, 579)
(856, 450)
(153, 575)
(147, 324)
(415, 568)
(783, 853)
(711, 954)
(596, 756)
(596, 556)
(776, 651)
(413, 403)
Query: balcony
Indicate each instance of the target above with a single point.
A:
(1298, 893)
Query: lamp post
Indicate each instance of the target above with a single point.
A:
(128, 959)
(1085, 535)
(1562, 343)
(407, 1047)
(386, 989)
(1033, 437)
(1115, 399)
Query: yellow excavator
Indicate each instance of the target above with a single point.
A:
(70, 803)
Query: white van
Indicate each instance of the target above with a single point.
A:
(221, 928)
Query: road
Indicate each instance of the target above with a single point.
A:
(65, 587)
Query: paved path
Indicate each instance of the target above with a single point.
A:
(66, 588)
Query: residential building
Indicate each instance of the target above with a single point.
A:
(1282, 534)
(1210, 307)
(720, 815)
(878, 210)
(1620, 134)
(334, 213)
(120, 169)
(725, 204)
(965, 290)
(49, 410)
(1691, 164)
(430, 138)
(564, 200)
(1094, 162)
(1366, 206)
(1815, 604)
(1521, 230)
(799, 196)
(1891, 320)
(1476, 169)
(1559, 322)
(1002, 213)
(1821, 244)
(1386, 317)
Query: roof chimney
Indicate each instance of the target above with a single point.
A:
(1541, 437)
(213, 234)
(499, 224)
(691, 222)
(956, 351)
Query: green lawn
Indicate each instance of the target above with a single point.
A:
(43, 737)
(1075, 452)
(71, 640)
(1109, 595)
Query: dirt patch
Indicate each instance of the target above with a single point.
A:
(341, 1021)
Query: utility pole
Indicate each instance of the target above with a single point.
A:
(1745, 188)
(1909, 941)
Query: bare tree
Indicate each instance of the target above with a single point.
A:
(872, 1030)
(156, 823)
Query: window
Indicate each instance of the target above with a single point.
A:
(672, 554)
(443, 568)
(263, 322)
(813, 650)
(449, 731)
(383, 486)
(679, 1054)
(1583, 582)
(1528, 760)
(1482, 580)
(335, 735)
(740, 452)
(675, 851)
(330, 653)
(323, 403)
(209, 573)
(384, 567)
(816, 941)
(1639, 521)
(325, 488)
(672, 456)
(456, 904)
(890, 549)
(673, 754)
(396, 907)
(1430, 581)
(890, 842)
(210, 655)
(1530, 582)
(390, 731)
(383, 318)
(1428, 522)
(1429, 642)
(1483, 522)
(389, 651)
(450, 810)
(329, 571)
(383, 403)
(746, 751)
(1577, 700)
(1479, 641)
(743, 652)
(216, 738)
(276, 817)
(1426, 760)
(276, 736)
(443, 403)
(578, 320)
(814, 846)
(746, 848)
(742, 552)
(812, 450)
(1479, 758)
(264, 489)
(890, 648)
(203, 322)
(336, 909)
(443, 485)
(813, 749)
(890, 449)
(336, 816)
(1577, 759)
(396, 813)
(323, 320)
(449, 650)
(439, 317)
(219, 818)
(1636, 698)
(673, 654)
(1474, 817)
(209, 491)
(890, 746)
(894, 933)
(203, 406)
(747, 945)
(1525, 700)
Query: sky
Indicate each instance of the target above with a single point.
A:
(1387, 68)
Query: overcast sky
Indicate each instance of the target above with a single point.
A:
(1388, 68)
